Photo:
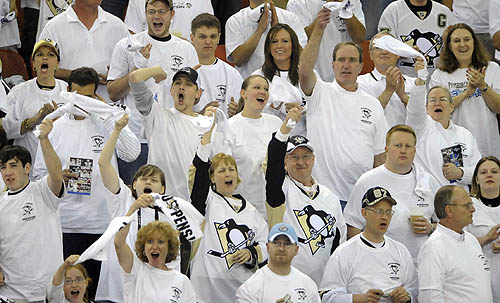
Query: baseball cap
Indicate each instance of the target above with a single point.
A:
(282, 229)
(191, 74)
(375, 195)
(48, 43)
(297, 141)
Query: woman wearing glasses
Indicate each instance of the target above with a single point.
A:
(485, 225)
(69, 283)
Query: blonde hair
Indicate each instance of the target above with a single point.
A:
(168, 233)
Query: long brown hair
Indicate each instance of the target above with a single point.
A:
(269, 68)
(475, 188)
(85, 274)
(447, 60)
(244, 86)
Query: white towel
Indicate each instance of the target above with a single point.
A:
(402, 49)
(204, 123)
(133, 45)
(255, 13)
(345, 8)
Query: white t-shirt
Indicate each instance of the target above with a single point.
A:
(415, 189)
(80, 213)
(266, 286)
(335, 32)
(219, 81)
(24, 101)
(474, 13)
(453, 265)
(473, 113)
(355, 267)
(30, 241)
(147, 284)
(239, 28)
(346, 129)
(185, 11)
(250, 151)
(48, 10)
(483, 219)
(432, 137)
(9, 32)
(374, 83)
(171, 55)
(411, 29)
(494, 22)
(93, 48)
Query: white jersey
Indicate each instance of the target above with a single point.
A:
(214, 275)
(171, 55)
(250, 150)
(78, 144)
(355, 267)
(185, 11)
(425, 33)
(335, 31)
(266, 286)
(219, 81)
(147, 284)
(374, 83)
(473, 113)
(474, 13)
(30, 241)
(415, 189)
(24, 101)
(93, 48)
(346, 129)
(9, 31)
(483, 219)
(453, 266)
(433, 138)
(239, 28)
(48, 10)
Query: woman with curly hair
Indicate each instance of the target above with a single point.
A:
(145, 275)
(474, 83)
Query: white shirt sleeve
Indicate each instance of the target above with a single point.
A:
(352, 211)
(248, 292)
(416, 113)
(120, 60)
(55, 293)
(380, 132)
(12, 121)
(431, 274)
(388, 20)
(494, 21)
(234, 35)
(335, 281)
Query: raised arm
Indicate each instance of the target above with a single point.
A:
(142, 95)
(416, 112)
(309, 55)
(54, 167)
(356, 29)
(58, 277)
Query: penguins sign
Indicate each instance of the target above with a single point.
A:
(317, 226)
(232, 237)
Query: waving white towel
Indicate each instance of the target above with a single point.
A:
(204, 123)
(255, 13)
(345, 8)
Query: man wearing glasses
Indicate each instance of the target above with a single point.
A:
(371, 267)
(452, 266)
(279, 281)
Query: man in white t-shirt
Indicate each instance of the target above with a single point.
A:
(246, 33)
(338, 30)
(30, 229)
(452, 266)
(419, 23)
(387, 83)
(279, 281)
(86, 36)
(346, 126)
(160, 48)
(412, 187)
(220, 82)
(371, 267)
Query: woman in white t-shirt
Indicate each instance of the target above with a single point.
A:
(69, 283)
(474, 83)
(486, 219)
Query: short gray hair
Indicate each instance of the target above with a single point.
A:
(443, 197)
(447, 91)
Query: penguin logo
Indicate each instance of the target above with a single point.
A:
(317, 226)
(58, 6)
(232, 237)
(394, 270)
(177, 61)
(221, 92)
(429, 44)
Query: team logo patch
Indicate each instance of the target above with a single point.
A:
(301, 294)
(484, 260)
(28, 211)
(394, 270)
(97, 143)
(176, 294)
(366, 115)
(429, 44)
(232, 237)
(221, 93)
(317, 226)
(176, 62)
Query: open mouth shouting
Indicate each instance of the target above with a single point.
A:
(261, 99)
(158, 26)
(147, 190)
(44, 67)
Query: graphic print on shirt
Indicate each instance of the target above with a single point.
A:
(317, 226)
(28, 211)
(97, 143)
(221, 93)
(301, 294)
(484, 261)
(429, 43)
(232, 237)
(177, 62)
(58, 6)
(366, 115)
(176, 294)
(394, 270)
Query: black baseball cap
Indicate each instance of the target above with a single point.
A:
(189, 73)
(375, 195)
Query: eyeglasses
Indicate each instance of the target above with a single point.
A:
(380, 211)
(161, 12)
(305, 158)
(443, 99)
(77, 280)
(285, 244)
(469, 205)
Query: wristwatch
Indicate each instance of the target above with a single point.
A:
(484, 89)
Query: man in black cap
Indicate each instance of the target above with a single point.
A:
(293, 196)
(370, 265)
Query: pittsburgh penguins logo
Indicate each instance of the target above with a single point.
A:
(317, 226)
(429, 44)
(394, 270)
(98, 141)
(221, 92)
(27, 209)
(58, 6)
(232, 237)
(177, 60)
